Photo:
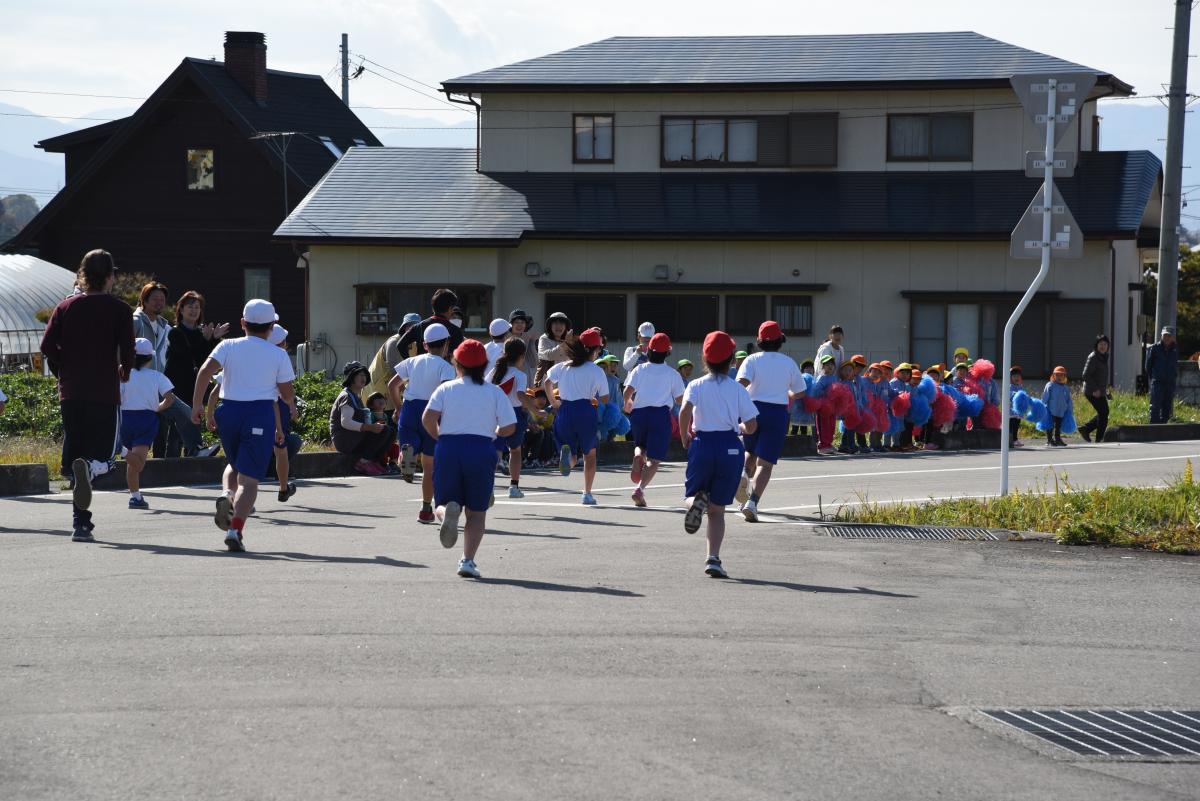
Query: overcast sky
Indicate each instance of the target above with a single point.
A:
(128, 48)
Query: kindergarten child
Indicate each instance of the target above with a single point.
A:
(877, 387)
(715, 410)
(848, 375)
(145, 396)
(509, 374)
(798, 416)
(652, 389)
(1057, 397)
(464, 417)
(579, 383)
(826, 420)
(901, 379)
(1016, 383)
(415, 380)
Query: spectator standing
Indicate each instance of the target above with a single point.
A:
(88, 344)
(148, 323)
(552, 345)
(637, 354)
(832, 346)
(1162, 368)
(1095, 389)
(444, 302)
(189, 343)
(522, 329)
(383, 366)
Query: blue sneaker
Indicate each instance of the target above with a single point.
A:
(564, 460)
(138, 503)
(589, 499)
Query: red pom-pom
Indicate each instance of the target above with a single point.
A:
(900, 405)
(813, 405)
(841, 399)
(879, 412)
(990, 416)
(982, 371)
(851, 419)
(943, 410)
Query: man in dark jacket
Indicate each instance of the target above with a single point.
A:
(88, 345)
(444, 300)
(1162, 368)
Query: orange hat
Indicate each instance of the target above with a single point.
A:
(769, 331)
(591, 338)
(718, 347)
(660, 343)
(874, 366)
(470, 353)
(886, 364)
(859, 359)
(1060, 370)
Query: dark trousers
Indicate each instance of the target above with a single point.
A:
(1054, 433)
(1099, 423)
(373, 447)
(89, 433)
(1014, 428)
(1162, 401)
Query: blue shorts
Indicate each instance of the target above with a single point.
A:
(767, 440)
(651, 430)
(715, 463)
(247, 431)
(517, 438)
(576, 425)
(285, 417)
(138, 427)
(412, 432)
(464, 467)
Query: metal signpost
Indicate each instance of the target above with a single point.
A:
(1047, 227)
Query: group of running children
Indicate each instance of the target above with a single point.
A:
(459, 411)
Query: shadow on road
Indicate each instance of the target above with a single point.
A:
(580, 521)
(52, 532)
(787, 585)
(491, 531)
(526, 584)
(267, 556)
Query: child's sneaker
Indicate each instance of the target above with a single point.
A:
(425, 516)
(224, 513)
(635, 471)
(467, 568)
(138, 503)
(564, 460)
(365, 467)
(750, 511)
(589, 499)
(287, 492)
(233, 540)
(743, 490)
(695, 512)
(931, 446)
(515, 492)
(639, 498)
(408, 463)
(449, 529)
(712, 567)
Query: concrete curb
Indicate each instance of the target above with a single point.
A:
(1152, 432)
(24, 479)
(182, 472)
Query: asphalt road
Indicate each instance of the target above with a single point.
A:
(341, 657)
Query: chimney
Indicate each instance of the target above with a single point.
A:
(246, 62)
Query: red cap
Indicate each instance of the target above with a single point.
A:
(591, 338)
(470, 353)
(769, 331)
(718, 347)
(660, 343)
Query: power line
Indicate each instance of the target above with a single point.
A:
(397, 72)
(418, 91)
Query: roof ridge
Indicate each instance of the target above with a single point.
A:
(212, 62)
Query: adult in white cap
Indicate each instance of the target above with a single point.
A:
(417, 378)
(1162, 368)
(499, 329)
(636, 354)
(255, 375)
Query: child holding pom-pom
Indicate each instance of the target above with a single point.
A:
(1057, 397)
(1016, 383)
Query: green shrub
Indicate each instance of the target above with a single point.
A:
(314, 399)
(32, 408)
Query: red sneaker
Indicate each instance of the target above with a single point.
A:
(425, 516)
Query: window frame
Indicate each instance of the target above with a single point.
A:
(188, 190)
(575, 157)
(262, 267)
(679, 298)
(970, 156)
(1002, 311)
(764, 306)
(392, 320)
(773, 311)
(553, 303)
(708, 163)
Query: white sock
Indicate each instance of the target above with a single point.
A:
(228, 494)
(137, 496)
(97, 468)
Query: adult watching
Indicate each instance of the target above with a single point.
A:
(350, 425)
(189, 343)
(444, 301)
(832, 346)
(88, 344)
(1162, 368)
(637, 354)
(1095, 389)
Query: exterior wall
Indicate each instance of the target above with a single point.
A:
(532, 132)
(865, 281)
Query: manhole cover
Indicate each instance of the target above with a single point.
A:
(874, 532)
(1110, 732)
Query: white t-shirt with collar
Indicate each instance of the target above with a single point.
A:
(585, 382)
(424, 374)
(655, 385)
(253, 368)
(719, 403)
(470, 408)
(771, 375)
(144, 389)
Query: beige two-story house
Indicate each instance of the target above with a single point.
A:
(713, 182)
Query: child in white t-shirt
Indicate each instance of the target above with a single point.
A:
(147, 394)
(580, 384)
(508, 373)
(652, 390)
(464, 417)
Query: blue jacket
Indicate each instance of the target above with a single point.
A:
(1057, 398)
(822, 385)
(898, 385)
(1162, 363)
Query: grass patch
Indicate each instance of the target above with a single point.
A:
(32, 450)
(1124, 408)
(1163, 519)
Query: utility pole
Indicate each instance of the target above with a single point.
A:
(346, 68)
(1168, 243)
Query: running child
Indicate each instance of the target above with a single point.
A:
(464, 417)
(579, 383)
(716, 411)
(415, 380)
(652, 389)
(147, 394)
(499, 331)
(509, 374)
(287, 444)
(773, 380)
(256, 374)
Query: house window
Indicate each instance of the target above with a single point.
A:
(256, 283)
(685, 318)
(606, 312)
(707, 141)
(793, 313)
(744, 313)
(594, 138)
(929, 137)
(379, 308)
(331, 147)
(200, 174)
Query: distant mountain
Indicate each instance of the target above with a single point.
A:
(1126, 125)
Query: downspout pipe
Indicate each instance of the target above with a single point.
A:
(470, 101)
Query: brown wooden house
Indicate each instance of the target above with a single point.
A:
(181, 189)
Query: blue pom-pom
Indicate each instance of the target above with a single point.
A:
(920, 410)
(927, 389)
(623, 426)
(1038, 414)
(608, 415)
(1020, 403)
(971, 406)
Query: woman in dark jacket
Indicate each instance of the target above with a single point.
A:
(189, 343)
(1095, 389)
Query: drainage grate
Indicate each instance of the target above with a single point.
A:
(1110, 732)
(873, 532)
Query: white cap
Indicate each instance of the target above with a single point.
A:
(143, 347)
(499, 327)
(259, 312)
(646, 330)
(278, 335)
(436, 332)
